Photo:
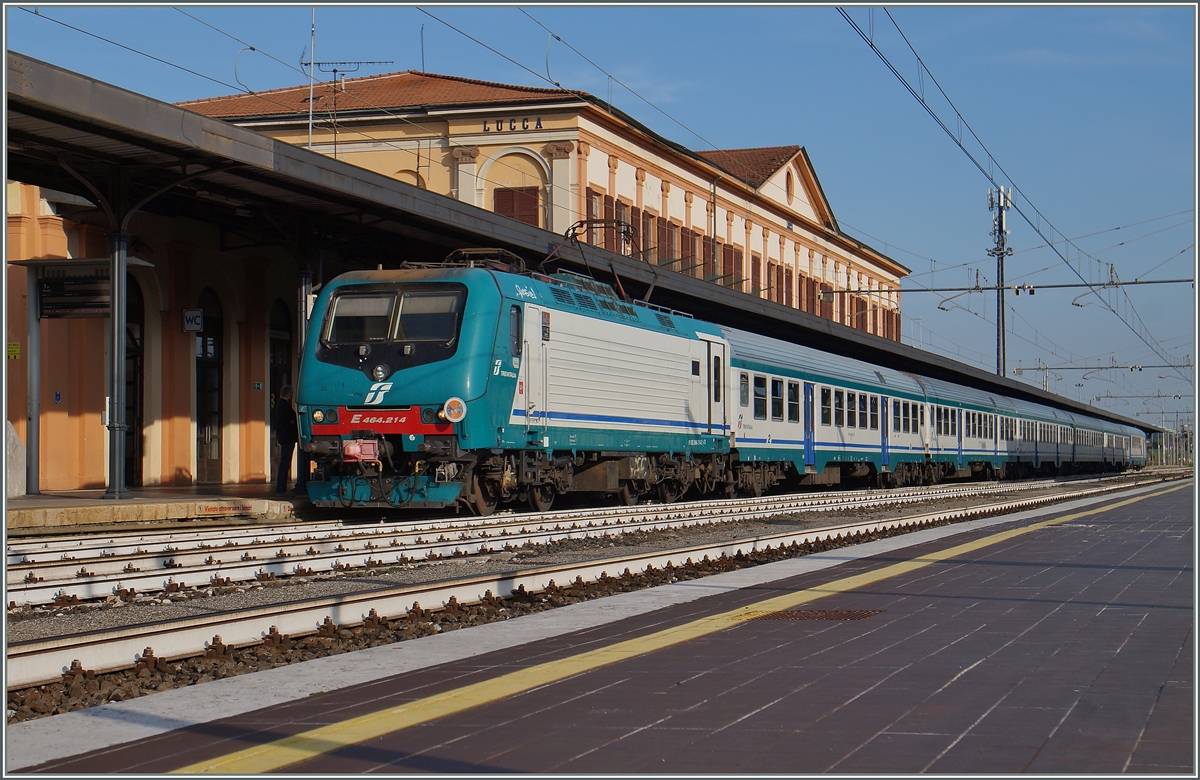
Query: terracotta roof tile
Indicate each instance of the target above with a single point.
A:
(407, 89)
(753, 166)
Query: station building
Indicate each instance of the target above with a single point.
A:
(755, 220)
(198, 400)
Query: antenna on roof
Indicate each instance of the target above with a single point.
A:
(337, 67)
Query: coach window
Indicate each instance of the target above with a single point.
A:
(793, 401)
(953, 422)
(922, 409)
(851, 403)
(760, 397)
(904, 411)
(895, 417)
(874, 412)
(826, 407)
(514, 331)
(839, 408)
(862, 410)
(716, 379)
(776, 399)
(744, 390)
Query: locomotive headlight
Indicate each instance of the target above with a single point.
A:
(318, 415)
(331, 415)
(454, 410)
(380, 372)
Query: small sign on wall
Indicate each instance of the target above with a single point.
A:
(14, 350)
(258, 385)
(193, 320)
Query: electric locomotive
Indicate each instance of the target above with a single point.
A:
(472, 383)
(467, 384)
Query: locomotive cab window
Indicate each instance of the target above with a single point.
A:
(431, 316)
(358, 318)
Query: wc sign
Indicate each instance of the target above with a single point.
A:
(193, 320)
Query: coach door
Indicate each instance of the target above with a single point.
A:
(959, 436)
(810, 454)
(716, 388)
(537, 334)
(884, 426)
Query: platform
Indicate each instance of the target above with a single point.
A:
(68, 511)
(1058, 640)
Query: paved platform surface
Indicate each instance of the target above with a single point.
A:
(64, 511)
(1059, 641)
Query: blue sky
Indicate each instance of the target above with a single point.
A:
(1090, 110)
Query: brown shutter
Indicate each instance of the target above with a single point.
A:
(826, 301)
(788, 298)
(727, 272)
(635, 220)
(708, 270)
(685, 250)
(610, 232)
(651, 238)
(664, 254)
(739, 270)
(504, 203)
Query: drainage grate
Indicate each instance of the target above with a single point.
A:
(819, 614)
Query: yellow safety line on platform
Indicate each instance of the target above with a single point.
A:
(326, 739)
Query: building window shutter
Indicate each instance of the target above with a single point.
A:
(635, 220)
(708, 247)
(826, 301)
(739, 271)
(727, 265)
(788, 298)
(519, 203)
(610, 232)
(664, 244)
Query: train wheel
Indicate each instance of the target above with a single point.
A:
(483, 496)
(627, 495)
(669, 491)
(541, 497)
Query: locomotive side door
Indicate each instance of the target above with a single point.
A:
(537, 334)
(716, 388)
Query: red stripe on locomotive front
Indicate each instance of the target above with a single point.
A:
(381, 421)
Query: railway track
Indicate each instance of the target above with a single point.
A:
(68, 570)
(42, 661)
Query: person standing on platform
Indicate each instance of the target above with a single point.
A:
(284, 424)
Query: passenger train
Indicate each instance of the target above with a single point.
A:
(475, 384)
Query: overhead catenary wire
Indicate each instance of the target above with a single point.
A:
(1140, 329)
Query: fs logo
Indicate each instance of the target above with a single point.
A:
(376, 393)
